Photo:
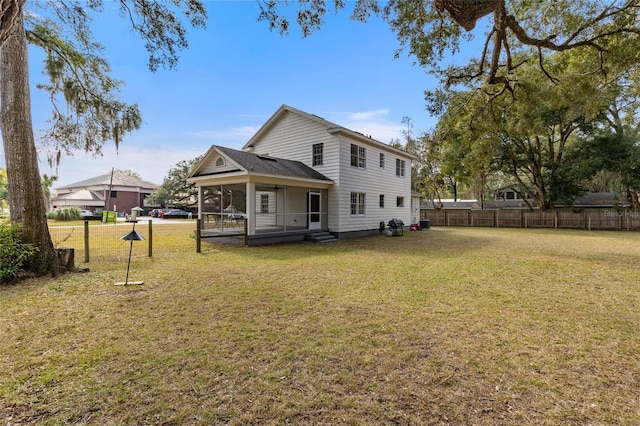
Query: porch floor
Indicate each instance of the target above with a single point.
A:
(263, 235)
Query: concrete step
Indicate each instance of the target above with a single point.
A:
(321, 237)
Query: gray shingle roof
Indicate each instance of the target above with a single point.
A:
(271, 165)
(119, 179)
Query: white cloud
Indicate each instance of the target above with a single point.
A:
(371, 123)
(367, 115)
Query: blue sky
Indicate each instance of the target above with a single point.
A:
(235, 74)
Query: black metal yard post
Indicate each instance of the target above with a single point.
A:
(86, 241)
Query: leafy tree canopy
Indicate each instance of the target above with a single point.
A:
(531, 136)
(127, 172)
(86, 109)
(175, 191)
(85, 104)
(4, 192)
(435, 30)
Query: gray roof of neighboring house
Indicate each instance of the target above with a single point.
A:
(119, 179)
(271, 165)
(83, 195)
(601, 199)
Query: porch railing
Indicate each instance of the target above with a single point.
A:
(265, 222)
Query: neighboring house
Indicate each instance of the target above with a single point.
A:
(301, 174)
(120, 193)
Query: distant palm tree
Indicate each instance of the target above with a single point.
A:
(47, 181)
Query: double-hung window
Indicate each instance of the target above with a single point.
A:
(358, 156)
(381, 160)
(264, 203)
(318, 159)
(357, 203)
(400, 167)
(382, 201)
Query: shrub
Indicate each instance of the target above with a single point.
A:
(64, 214)
(14, 253)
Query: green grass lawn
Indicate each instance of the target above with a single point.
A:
(446, 326)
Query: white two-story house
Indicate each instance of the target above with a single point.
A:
(301, 174)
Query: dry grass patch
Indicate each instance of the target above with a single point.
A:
(458, 326)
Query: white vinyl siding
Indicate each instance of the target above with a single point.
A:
(293, 137)
(218, 165)
(372, 180)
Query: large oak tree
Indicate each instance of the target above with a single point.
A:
(86, 111)
(433, 30)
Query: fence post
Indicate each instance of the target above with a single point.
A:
(198, 227)
(555, 219)
(627, 220)
(150, 237)
(86, 241)
(619, 222)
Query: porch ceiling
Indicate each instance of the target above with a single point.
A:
(258, 179)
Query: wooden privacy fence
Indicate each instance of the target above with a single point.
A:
(591, 219)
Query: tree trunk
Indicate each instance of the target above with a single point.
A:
(26, 200)
(10, 13)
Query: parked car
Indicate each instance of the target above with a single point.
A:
(174, 214)
(86, 213)
(158, 212)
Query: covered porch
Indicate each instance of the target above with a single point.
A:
(264, 199)
(259, 213)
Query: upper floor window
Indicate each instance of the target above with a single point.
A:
(399, 167)
(358, 154)
(400, 202)
(113, 194)
(220, 162)
(317, 155)
(381, 160)
(357, 203)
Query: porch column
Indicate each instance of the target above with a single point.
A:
(251, 207)
(200, 201)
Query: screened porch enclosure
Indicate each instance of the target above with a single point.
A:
(262, 208)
